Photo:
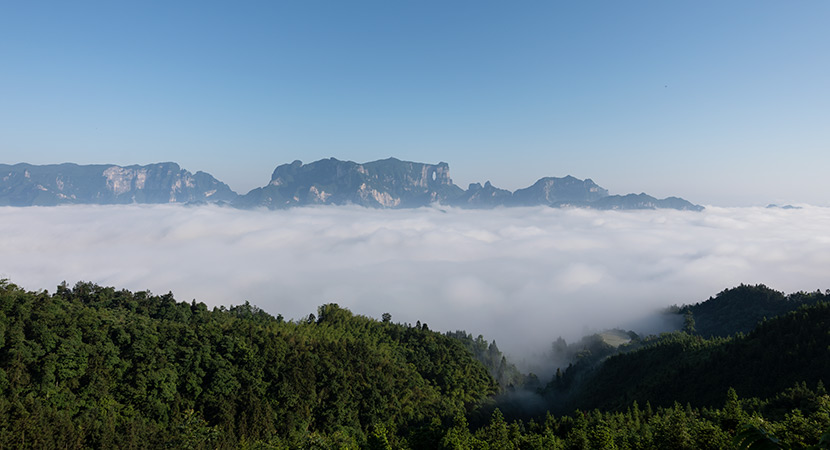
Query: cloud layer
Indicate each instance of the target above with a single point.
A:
(522, 276)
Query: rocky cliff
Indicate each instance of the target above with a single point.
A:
(553, 191)
(392, 183)
(47, 185)
(388, 183)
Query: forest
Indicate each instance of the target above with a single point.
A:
(96, 367)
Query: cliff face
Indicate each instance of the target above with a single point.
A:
(392, 183)
(388, 183)
(29, 185)
(559, 192)
(487, 196)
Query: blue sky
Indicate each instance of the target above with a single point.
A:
(724, 103)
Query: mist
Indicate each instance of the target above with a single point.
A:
(521, 276)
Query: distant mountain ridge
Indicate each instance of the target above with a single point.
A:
(387, 183)
(55, 184)
(392, 183)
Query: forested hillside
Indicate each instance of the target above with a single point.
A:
(93, 366)
(681, 367)
(96, 367)
(740, 309)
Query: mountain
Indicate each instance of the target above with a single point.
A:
(392, 183)
(643, 201)
(388, 183)
(487, 196)
(56, 184)
(777, 353)
(742, 308)
(751, 338)
(559, 192)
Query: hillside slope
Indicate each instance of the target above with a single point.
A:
(96, 367)
(684, 368)
(57, 184)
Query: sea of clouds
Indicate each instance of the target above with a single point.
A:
(521, 276)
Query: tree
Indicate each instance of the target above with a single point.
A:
(377, 439)
(689, 322)
(732, 412)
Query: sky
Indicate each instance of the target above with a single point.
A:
(722, 103)
(520, 276)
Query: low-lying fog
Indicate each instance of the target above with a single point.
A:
(521, 276)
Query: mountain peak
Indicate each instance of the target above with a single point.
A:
(385, 183)
(393, 183)
(69, 183)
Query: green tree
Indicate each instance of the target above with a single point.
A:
(689, 322)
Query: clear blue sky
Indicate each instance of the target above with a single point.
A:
(720, 102)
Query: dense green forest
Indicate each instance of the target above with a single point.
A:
(687, 368)
(740, 309)
(95, 367)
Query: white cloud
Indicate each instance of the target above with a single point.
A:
(522, 276)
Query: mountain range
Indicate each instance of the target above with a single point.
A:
(387, 183)
(57, 184)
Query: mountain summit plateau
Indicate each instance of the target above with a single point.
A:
(387, 183)
(392, 183)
